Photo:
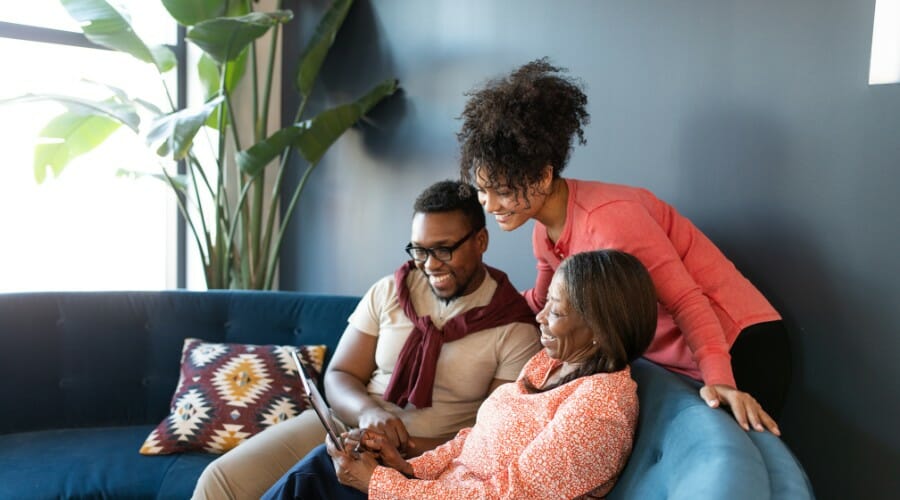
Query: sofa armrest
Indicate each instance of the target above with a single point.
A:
(685, 450)
(787, 479)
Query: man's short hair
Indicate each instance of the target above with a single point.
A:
(449, 196)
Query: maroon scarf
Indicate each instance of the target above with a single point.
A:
(413, 378)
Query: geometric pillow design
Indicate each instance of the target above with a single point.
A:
(229, 392)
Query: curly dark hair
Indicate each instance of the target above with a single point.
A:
(448, 196)
(516, 125)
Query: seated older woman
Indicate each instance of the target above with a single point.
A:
(563, 430)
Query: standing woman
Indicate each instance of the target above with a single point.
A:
(713, 324)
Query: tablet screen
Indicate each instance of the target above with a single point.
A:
(318, 402)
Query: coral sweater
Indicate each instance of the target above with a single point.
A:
(562, 443)
(700, 291)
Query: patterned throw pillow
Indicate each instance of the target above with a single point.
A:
(229, 392)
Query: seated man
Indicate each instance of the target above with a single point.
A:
(424, 347)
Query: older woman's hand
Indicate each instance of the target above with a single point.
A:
(747, 411)
(352, 469)
(387, 453)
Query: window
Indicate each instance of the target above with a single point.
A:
(88, 229)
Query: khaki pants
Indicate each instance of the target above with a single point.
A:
(248, 470)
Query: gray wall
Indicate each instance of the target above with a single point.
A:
(753, 118)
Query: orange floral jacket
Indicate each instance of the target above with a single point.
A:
(567, 442)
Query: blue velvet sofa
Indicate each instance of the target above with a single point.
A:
(85, 376)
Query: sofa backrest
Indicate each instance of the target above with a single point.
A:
(77, 359)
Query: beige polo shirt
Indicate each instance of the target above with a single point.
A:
(466, 367)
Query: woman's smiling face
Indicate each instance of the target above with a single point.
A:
(510, 208)
(564, 333)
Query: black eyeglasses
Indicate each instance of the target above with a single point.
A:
(443, 254)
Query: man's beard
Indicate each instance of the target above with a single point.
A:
(457, 294)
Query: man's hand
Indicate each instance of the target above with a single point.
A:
(386, 423)
(747, 411)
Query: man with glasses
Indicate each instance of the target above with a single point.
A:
(424, 347)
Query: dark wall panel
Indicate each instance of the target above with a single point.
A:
(753, 118)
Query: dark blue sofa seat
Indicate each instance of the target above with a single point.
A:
(93, 463)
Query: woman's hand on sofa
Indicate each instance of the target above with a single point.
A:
(747, 411)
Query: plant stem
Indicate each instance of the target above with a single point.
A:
(196, 167)
(273, 259)
(223, 250)
(276, 189)
(184, 213)
(266, 103)
(193, 160)
(261, 247)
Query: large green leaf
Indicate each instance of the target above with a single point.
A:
(210, 79)
(163, 57)
(208, 72)
(174, 133)
(121, 112)
(224, 38)
(68, 136)
(105, 25)
(327, 127)
(191, 12)
(312, 58)
(253, 160)
(313, 137)
(210, 76)
(149, 106)
(177, 181)
(126, 104)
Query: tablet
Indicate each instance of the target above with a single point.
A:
(318, 402)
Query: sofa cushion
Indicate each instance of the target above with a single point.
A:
(98, 462)
(229, 392)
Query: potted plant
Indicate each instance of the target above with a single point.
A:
(236, 229)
